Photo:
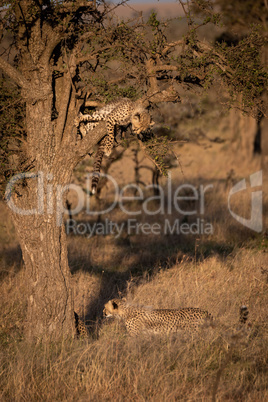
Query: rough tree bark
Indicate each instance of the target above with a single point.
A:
(42, 233)
(39, 201)
(36, 199)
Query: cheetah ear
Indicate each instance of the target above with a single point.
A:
(124, 299)
(115, 305)
(137, 117)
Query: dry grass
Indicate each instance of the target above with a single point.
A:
(219, 273)
(116, 367)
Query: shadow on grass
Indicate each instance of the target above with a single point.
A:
(136, 257)
(130, 257)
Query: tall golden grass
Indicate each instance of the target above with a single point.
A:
(219, 273)
(218, 364)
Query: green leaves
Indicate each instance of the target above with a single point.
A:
(247, 74)
(153, 21)
(158, 31)
(110, 92)
(159, 150)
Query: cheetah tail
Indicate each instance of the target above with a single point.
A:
(243, 316)
(96, 170)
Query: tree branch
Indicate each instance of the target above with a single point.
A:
(162, 67)
(90, 140)
(168, 95)
(172, 45)
(64, 102)
(222, 64)
(155, 94)
(68, 87)
(74, 6)
(89, 103)
(52, 40)
(14, 74)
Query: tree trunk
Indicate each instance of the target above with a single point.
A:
(46, 72)
(36, 206)
(37, 200)
(264, 146)
(264, 125)
(44, 248)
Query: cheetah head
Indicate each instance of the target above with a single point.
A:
(113, 308)
(141, 121)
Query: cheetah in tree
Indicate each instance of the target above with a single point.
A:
(144, 320)
(119, 113)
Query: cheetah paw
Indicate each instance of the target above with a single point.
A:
(78, 119)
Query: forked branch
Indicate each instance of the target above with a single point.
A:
(14, 74)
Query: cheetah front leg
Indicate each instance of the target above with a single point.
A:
(109, 143)
(86, 118)
(85, 123)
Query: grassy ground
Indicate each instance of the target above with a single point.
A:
(218, 272)
(112, 366)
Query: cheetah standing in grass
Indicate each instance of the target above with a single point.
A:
(140, 319)
(119, 113)
(164, 321)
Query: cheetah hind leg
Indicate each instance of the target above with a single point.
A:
(80, 327)
(96, 169)
(105, 148)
